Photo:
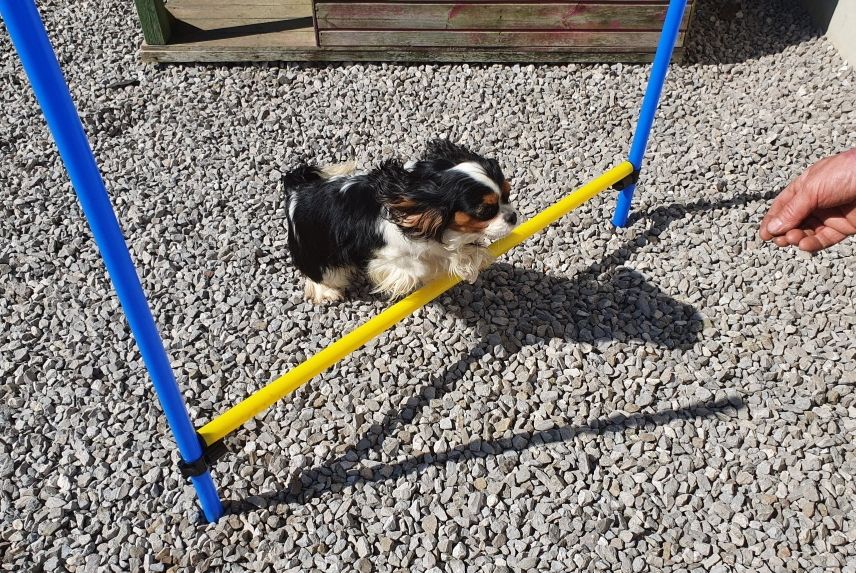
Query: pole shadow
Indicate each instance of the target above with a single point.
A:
(185, 32)
(733, 32)
(653, 317)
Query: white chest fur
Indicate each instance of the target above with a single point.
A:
(404, 264)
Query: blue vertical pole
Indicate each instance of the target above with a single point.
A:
(668, 38)
(39, 60)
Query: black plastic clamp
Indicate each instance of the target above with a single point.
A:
(210, 455)
(629, 180)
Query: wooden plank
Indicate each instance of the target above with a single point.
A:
(240, 26)
(215, 5)
(530, 2)
(213, 52)
(154, 20)
(452, 16)
(194, 11)
(496, 39)
(264, 34)
(286, 22)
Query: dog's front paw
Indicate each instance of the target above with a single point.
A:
(469, 261)
(487, 260)
(320, 293)
(469, 276)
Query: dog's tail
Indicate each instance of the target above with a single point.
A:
(308, 173)
(338, 169)
(302, 175)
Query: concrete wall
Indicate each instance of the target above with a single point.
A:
(838, 19)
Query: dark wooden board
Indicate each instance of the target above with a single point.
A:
(192, 11)
(620, 41)
(497, 16)
(531, 2)
(258, 52)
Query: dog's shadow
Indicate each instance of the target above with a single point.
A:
(516, 307)
(530, 306)
(605, 301)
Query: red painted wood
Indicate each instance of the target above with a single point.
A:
(421, 38)
(497, 16)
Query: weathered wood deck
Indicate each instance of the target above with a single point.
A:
(402, 30)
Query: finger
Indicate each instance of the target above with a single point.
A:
(794, 236)
(839, 222)
(785, 196)
(781, 241)
(813, 221)
(793, 212)
(778, 204)
(823, 238)
(811, 226)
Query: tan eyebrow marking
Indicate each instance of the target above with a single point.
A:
(467, 224)
(506, 190)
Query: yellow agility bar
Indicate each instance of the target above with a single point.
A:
(261, 399)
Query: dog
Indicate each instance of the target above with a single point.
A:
(401, 225)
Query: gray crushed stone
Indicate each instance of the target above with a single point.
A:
(674, 396)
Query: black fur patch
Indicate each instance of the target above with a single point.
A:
(443, 154)
(328, 228)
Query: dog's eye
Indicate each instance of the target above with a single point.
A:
(487, 211)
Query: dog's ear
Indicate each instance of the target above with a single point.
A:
(418, 210)
(428, 224)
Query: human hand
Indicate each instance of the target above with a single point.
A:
(818, 208)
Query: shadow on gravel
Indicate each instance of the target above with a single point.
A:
(733, 32)
(637, 311)
(334, 476)
(598, 304)
(612, 424)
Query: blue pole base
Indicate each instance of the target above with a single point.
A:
(206, 491)
(623, 205)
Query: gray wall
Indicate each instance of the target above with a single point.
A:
(838, 19)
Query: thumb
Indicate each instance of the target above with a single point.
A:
(793, 212)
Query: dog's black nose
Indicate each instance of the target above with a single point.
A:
(511, 218)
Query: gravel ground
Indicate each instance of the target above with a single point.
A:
(674, 396)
